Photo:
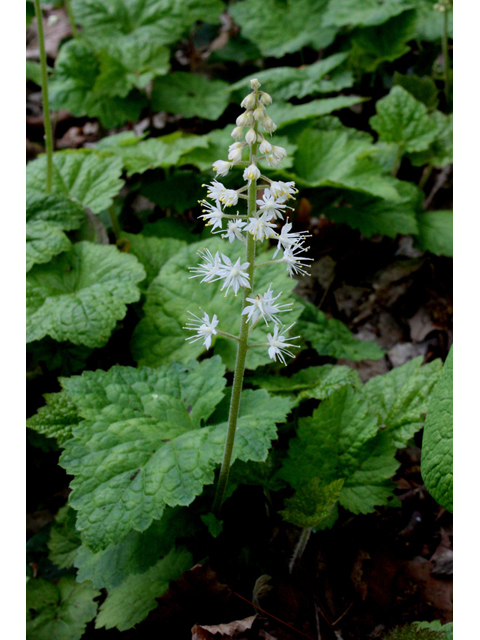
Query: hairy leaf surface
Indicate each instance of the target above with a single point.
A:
(64, 540)
(57, 418)
(152, 252)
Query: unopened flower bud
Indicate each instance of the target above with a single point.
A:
(265, 147)
(259, 113)
(278, 153)
(235, 151)
(244, 120)
(237, 133)
(269, 125)
(251, 173)
(249, 101)
(221, 167)
(251, 136)
(255, 84)
(265, 98)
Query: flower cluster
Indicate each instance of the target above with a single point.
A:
(266, 219)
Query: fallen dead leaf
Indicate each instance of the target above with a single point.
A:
(420, 325)
(229, 630)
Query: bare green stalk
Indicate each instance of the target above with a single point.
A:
(46, 108)
(241, 357)
(71, 18)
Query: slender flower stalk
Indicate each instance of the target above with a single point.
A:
(46, 108)
(260, 224)
(71, 18)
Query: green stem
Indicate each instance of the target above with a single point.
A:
(114, 220)
(46, 108)
(71, 18)
(397, 162)
(446, 59)
(241, 357)
(425, 175)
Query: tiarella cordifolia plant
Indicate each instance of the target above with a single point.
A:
(265, 219)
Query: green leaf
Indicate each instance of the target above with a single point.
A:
(161, 22)
(213, 524)
(339, 158)
(374, 215)
(440, 152)
(429, 25)
(283, 83)
(152, 252)
(404, 121)
(154, 153)
(54, 208)
(437, 445)
(44, 240)
(311, 504)
(143, 447)
(313, 382)
(84, 177)
(284, 26)
(341, 440)
(191, 95)
(81, 294)
(382, 43)
(59, 611)
(160, 338)
(330, 337)
(57, 418)
(100, 84)
(400, 398)
(178, 190)
(436, 625)
(34, 72)
(64, 540)
(341, 13)
(285, 114)
(435, 232)
(423, 89)
(136, 553)
(130, 603)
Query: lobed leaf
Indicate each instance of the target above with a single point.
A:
(80, 295)
(60, 611)
(152, 252)
(44, 240)
(404, 121)
(57, 418)
(435, 232)
(131, 602)
(311, 504)
(190, 95)
(83, 177)
(341, 13)
(64, 540)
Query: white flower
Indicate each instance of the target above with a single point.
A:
(273, 162)
(245, 119)
(248, 102)
(215, 190)
(234, 228)
(264, 307)
(261, 227)
(221, 167)
(204, 328)
(265, 98)
(278, 346)
(293, 261)
(268, 124)
(268, 204)
(234, 275)
(265, 146)
(278, 153)
(287, 240)
(251, 173)
(235, 151)
(284, 190)
(259, 113)
(213, 214)
(237, 133)
(251, 136)
(210, 269)
(229, 198)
